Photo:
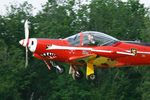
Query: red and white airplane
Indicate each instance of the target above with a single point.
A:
(87, 49)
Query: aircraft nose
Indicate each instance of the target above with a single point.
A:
(21, 42)
(30, 43)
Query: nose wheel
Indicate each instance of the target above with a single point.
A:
(59, 70)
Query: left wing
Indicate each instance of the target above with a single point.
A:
(81, 57)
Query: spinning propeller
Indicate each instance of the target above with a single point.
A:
(26, 28)
(25, 42)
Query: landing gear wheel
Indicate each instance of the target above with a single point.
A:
(77, 75)
(60, 70)
(91, 77)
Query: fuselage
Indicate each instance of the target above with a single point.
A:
(141, 58)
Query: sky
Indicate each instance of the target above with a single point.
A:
(37, 4)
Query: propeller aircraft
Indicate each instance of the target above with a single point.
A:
(88, 49)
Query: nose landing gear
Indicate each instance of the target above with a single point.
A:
(59, 70)
(50, 64)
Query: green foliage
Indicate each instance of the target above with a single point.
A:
(59, 19)
(146, 85)
(124, 20)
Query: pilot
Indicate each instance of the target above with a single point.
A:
(91, 39)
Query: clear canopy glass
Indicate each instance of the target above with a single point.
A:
(91, 38)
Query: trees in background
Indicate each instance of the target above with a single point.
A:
(59, 19)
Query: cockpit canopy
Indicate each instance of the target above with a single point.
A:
(91, 38)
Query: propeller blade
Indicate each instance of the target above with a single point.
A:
(26, 28)
(26, 62)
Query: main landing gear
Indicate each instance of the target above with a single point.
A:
(50, 64)
(76, 74)
(91, 77)
(90, 70)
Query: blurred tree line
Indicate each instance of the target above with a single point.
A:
(61, 18)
